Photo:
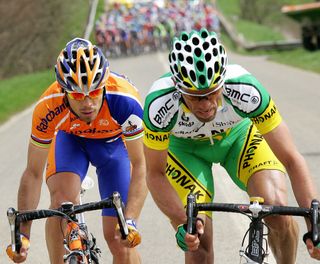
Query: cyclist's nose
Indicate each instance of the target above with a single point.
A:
(87, 101)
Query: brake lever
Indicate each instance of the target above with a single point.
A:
(191, 214)
(15, 239)
(315, 221)
(118, 205)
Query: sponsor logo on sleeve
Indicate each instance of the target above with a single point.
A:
(270, 112)
(160, 137)
(132, 125)
(162, 111)
(244, 97)
(49, 117)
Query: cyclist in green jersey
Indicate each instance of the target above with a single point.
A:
(204, 112)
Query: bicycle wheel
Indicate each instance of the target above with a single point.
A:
(72, 260)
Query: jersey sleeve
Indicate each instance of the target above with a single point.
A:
(269, 119)
(160, 113)
(125, 106)
(250, 99)
(44, 116)
(155, 139)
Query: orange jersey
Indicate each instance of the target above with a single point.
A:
(119, 116)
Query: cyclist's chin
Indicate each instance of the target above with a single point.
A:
(205, 118)
(88, 118)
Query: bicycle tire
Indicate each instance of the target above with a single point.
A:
(73, 260)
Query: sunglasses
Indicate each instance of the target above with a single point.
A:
(210, 91)
(80, 96)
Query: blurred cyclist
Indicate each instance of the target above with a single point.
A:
(89, 115)
(206, 111)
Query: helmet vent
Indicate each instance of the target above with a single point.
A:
(171, 69)
(92, 63)
(205, 45)
(178, 46)
(84, 80)
(64, 69)
(71, 81)
(204, 34)
(208, 57)
(210, 73)
(86, 51)
(198, 52)
(97, 77)
(187, 84)
(193, 76)
(215, 52)
(173, 57)
(217, 80)
(184, 72)
(202, 79)
(184, 37)
(221, 49)
(82, 66)
(101, 64)
(72, 66)
(74, 54)
(200, 65)
(180, 57)
(216, 67)
(195, 41)
(213, 41)
(189, 60)
(187, 48)
(222, 69)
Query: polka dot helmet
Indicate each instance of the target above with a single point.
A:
(81, 67)
(198, 61)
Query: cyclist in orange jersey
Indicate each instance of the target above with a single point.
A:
(89, 115)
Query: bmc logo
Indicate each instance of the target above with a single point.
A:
(244, 97)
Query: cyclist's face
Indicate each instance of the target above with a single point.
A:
(87, 109)
(203, 107)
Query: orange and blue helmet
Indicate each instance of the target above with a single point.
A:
(81, 67)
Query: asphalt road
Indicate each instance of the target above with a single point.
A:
(296, 93)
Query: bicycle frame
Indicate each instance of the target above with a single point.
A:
(67, 211)
(254, 253)
(79, 244)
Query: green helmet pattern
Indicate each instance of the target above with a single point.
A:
(198, 61)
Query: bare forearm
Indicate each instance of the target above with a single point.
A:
(302, 183)
(166, 198)
(137, 193)
(28, 196)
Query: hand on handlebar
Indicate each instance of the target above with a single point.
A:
(22, 255)
(134, 238)
(314, 250)
(189, 241)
